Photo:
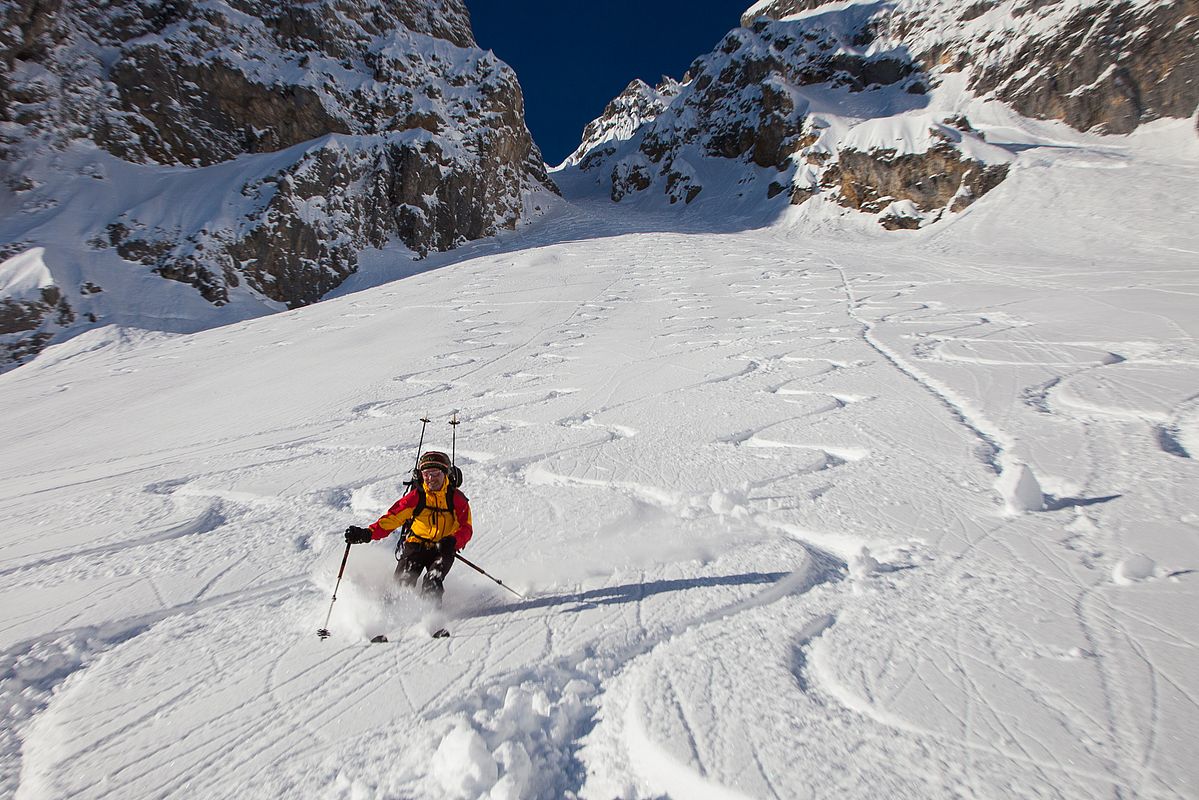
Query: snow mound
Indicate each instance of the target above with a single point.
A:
(1020, 490)
(1133, 569)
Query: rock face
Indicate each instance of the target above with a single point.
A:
(844, 102)
(252, 150)
(1095, 64)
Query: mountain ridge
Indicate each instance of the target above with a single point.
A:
(246, 150)
(877, 106)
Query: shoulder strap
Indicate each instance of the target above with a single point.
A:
(406, 528)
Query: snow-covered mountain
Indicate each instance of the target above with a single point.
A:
(898, 109)
(797, 511)
(797, 506)
(248, 151)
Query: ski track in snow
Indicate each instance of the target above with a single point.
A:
(747, 482)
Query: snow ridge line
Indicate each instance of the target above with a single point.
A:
(664, 771)
(994, 440)
(864, 707)
(208, 520)
(647, 757)
(31, 671)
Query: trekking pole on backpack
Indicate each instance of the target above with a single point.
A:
(415, 476)
(455, 475)
(412, 482)
(479, 570)
(324, 632)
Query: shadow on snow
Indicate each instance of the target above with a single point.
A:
(632, 592)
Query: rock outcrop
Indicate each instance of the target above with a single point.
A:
(253, 150)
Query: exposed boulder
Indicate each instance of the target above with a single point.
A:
(942, 177)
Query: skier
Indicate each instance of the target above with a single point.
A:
(434, 521)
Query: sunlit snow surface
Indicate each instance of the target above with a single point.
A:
(767, 492)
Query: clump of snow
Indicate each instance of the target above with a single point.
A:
(1134, 568)
(462, 764)
(863, 565)
(1020, 490)
(729, 502)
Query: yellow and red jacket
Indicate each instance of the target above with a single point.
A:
(435, 521)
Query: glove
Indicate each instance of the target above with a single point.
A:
(448, 546)
(356, 535)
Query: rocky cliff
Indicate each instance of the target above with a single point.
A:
(869, 104)
(1095, 64)
(248, 150)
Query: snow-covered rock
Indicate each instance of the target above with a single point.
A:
(29, 299)
(248, 150)
(638, 104)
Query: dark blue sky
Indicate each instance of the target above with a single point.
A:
(573, 57)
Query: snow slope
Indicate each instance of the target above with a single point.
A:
(770, 493)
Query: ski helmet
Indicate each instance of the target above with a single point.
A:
(435, 459)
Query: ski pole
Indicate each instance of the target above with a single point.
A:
(324, 632)
(477, 569)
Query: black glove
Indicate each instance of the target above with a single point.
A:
(356, 535)
(448, 546)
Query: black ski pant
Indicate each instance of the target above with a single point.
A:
(415, 557)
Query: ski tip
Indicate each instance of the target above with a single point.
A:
(378, 639)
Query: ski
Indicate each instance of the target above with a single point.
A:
(440, 633)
